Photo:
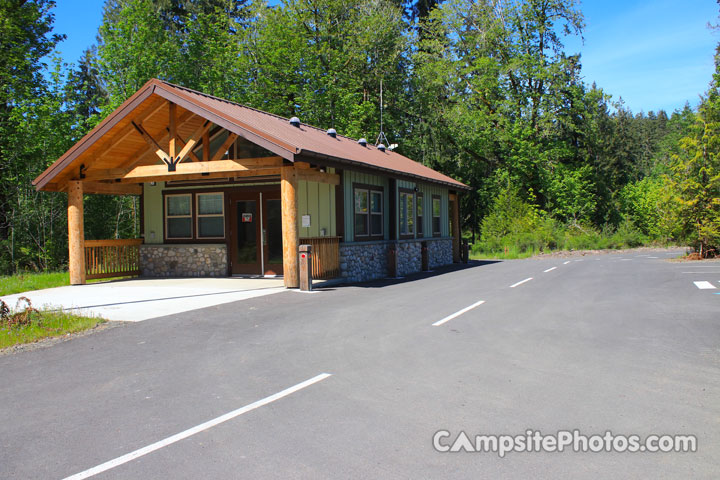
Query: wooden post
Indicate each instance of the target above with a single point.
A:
(173, 131)
(76, 233)
(456, 227)
(288, 199)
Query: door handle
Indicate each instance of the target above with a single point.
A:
(264, 236)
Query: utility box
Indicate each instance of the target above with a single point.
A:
(305, 267)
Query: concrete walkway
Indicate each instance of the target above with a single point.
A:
(142, 299)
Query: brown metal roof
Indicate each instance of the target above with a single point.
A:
(269, 131)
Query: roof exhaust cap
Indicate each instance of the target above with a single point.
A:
(381, 147)
(332, 132)
(363, 142)
(295, 122)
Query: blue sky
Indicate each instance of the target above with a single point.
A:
(654, 54)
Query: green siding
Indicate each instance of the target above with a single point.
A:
(318, 201)
(350, 178)
(153, 212)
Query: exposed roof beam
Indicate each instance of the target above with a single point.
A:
(223, 148)
(193, 140)
(112, 188)
(152, 143)
(157, 173)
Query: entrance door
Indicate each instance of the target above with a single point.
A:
(256, 234)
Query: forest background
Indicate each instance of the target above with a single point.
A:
(484, 91)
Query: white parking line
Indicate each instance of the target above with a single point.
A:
(549, 270)
(704, 285)
(520, 282)
(565, 263)
(197, 429)
(457, 314)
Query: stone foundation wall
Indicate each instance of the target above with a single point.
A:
(440, 252)
(369, 261)
(360, 263)
(183, 260)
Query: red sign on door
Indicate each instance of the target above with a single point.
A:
(247, 218)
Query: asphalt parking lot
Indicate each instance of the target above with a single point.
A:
(354, 382)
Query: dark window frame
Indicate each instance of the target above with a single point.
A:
(411, 193)
(419, 215)
(194, 217)
(370, 189)
(439, 216)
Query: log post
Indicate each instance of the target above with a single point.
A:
(76, 233)
(288, 195)
(455, 227)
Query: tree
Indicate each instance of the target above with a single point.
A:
(25, 38)
(696, 172)
(323, 61)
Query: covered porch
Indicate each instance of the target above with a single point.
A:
(164, 136)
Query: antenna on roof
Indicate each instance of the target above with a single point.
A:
(381, 138)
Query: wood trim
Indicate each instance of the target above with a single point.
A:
(99, 188)
(185, 171)
(319, 177)
(113, 242)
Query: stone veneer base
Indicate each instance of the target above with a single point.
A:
(369, 261)
(201, 260)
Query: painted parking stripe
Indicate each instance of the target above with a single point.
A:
(458, 313)
(565, 263)
(549, 270)
(197, 429)
(520, 282)
(704, 285)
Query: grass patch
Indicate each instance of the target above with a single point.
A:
(31, 325)
(26, 282)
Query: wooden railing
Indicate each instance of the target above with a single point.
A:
(112, 258)
(325, 256)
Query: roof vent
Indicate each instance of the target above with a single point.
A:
(381, 147)
(295, 122)
(363, 142)
(332, 132)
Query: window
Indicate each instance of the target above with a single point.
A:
(419, 215)
(178, 216)
(210, 215)
(194, 216)
(436, 216)
(407, 213)
(368, 212)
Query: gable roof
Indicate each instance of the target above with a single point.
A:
(272, 132)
